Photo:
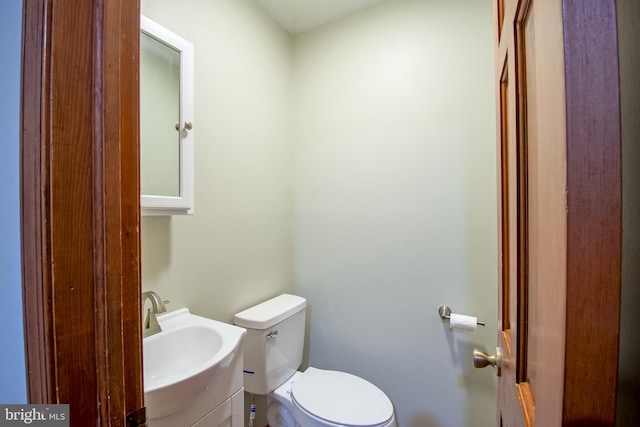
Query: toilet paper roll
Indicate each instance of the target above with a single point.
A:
(460, 322)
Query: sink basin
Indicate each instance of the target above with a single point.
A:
(185, 359)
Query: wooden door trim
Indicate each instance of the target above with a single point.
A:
(503, 195)
(40, 362)
(80, 207)
(527, 402)
(594, 210)
(522, 215)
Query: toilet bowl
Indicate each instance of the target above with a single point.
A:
(322, 398)
(315, 397)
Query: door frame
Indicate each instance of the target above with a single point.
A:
(80, 214)
(594, 210)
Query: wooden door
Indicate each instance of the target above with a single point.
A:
(80, 209)
(560, 211)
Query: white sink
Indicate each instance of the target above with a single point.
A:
(185, 359)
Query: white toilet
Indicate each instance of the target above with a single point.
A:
(314, 398)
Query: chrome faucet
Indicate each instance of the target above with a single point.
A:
(151, 325)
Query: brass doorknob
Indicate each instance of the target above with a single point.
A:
(482, 360)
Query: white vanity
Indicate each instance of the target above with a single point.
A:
(193, 372)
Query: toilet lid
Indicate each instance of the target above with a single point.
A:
(341, 398)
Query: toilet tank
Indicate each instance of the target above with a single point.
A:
(274, 342)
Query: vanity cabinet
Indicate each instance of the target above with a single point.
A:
(166, 121)
(228, 414)
(220, 403)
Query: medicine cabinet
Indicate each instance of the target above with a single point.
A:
(166, 121)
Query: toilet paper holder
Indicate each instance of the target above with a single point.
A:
(445, 314)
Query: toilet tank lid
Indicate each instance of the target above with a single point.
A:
(270, 312)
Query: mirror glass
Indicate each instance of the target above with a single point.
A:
(159, 117)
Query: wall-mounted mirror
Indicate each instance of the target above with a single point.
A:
(166, 121)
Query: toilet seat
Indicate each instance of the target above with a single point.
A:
(337, 398)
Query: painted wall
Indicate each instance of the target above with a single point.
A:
(628, 411)
(12, 367)
(237, 248)
(395, 202)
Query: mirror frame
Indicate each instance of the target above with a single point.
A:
(184, 203)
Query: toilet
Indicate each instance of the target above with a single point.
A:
(313, 398)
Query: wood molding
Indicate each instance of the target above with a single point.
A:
(80, 207)
(34, 180)
(594, 211)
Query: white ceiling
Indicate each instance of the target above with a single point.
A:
(297, 16)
